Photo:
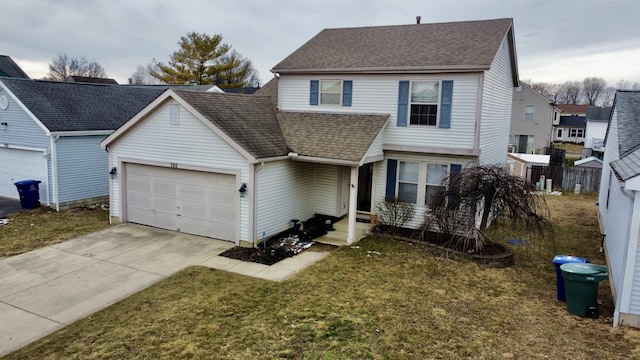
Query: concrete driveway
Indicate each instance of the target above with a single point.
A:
(9, 206)
(46, 289)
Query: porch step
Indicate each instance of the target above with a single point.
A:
(337, 238)
(361, 228)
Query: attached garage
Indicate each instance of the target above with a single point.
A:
(194, 202)
(20, 164)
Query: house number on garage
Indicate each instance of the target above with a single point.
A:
(174, 165)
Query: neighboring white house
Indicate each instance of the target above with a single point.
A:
(520, 164)
(571, 125)
(532, 117)
(619, 206)
(597, 120)
(363, 114)
(50, 131)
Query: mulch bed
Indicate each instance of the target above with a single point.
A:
(283, 245)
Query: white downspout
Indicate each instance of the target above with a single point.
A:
(53, 138)
(353, 191)
(253, 205)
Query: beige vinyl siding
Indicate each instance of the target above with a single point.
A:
(326, 189)
(540, 126)
(379, 94)
(284, 192)
(496, 109)
(189, 145)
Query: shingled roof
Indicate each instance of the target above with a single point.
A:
(9, 68)
(627, 109)
(63, 106)
(463, 46)
(598, 113)
(331, 136)
(247, 119)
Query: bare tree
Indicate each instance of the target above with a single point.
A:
(143, 76)
(606, 99)
(570, 92)
(63, 66)
(483, 192)
(592, 89)
(627, 85)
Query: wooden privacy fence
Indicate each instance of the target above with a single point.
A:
(565, 179)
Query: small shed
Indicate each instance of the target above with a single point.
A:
(590, 162)
(520, 164)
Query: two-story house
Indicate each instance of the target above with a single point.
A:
(362, 114)
(572, 124)
(532, 116)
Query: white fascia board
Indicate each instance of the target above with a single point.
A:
(25, 109)
(82, 133)
(45, 151)
(319, 160)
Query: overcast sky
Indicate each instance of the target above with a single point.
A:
(556, 40)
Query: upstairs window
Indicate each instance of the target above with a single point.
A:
(330, 92)
(424, 103)
(529, 112)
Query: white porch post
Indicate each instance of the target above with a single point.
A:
(353, 193)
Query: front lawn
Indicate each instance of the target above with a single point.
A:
(33, 229)
(382, 299)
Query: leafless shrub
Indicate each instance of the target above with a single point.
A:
(394, 212)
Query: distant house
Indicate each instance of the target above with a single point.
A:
(520, 164)
(532, 116)
(597, 119)
(363, 114)
(8, 68)
(619, 206)
(572, 124)
(50, 131)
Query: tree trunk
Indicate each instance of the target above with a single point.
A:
(486, 210)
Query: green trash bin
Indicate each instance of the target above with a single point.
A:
(581, 287)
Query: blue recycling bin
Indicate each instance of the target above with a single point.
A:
(558, 260)
(29, 192)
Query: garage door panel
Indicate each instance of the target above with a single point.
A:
(195, 202)
(17, 165)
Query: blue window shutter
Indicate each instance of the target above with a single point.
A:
(403, 103)
(313, 94)
(392, 172)
(452, 196)
(445, 104)
(347, 88)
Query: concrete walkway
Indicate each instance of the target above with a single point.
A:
(46, 289)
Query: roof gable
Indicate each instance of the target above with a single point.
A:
(248, 120)
(9, 68)
(457, 46)
(63, 106)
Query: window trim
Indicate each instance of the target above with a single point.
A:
(438, 103)
(320, 92)
(579, 133)
(533, 113)
(421, 195)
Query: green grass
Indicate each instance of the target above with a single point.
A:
(383, 299)
(570, 147)
(33, 229)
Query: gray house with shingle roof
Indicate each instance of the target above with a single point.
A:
(619, 205)
(8, 68)
(50, 131)
(354, 116)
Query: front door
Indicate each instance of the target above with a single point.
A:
(365, 180)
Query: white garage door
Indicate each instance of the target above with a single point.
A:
(194, 202)
(17, 165)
